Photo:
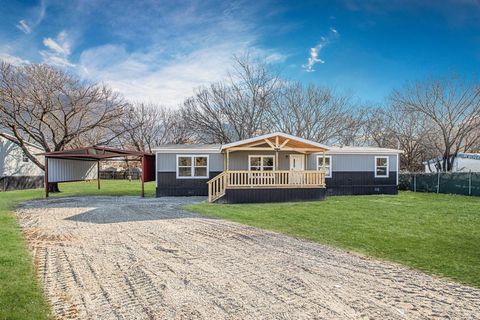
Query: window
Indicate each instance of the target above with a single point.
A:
(261, 163)
(24, 158)
(381, 167)
(328, 165)
(192, 166)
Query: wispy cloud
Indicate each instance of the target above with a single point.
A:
(314, 57)
(58, 50)
(24, 27)
(133, 75)
(12, 59)
(27, 25)
(166, 74)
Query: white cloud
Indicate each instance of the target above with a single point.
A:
(169, 83)
(24, 27)
(176, 63)
(275, 57)
(12, 59)
(314, 58)
(58, 50)
(27, 26)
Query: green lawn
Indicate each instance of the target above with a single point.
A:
(20, 294)
(439, 234)
(436, 233)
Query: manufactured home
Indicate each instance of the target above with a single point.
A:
(273, 167)
(463, 162)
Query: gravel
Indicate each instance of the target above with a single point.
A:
(132, 258)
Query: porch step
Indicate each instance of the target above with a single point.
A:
(217, 186)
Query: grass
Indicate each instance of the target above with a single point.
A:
(436, 233)
(21, 296)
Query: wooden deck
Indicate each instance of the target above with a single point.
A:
(235, 179)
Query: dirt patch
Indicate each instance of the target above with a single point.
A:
(132, 258)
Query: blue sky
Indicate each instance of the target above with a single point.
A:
(160, 51)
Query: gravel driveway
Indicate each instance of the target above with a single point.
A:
(131, 258)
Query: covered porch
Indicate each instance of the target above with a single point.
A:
(266, 163)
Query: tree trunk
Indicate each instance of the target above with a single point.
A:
(53, 187)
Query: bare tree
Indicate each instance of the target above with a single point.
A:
(453, 107)
(47, 106)
(236, 109)
(412, 133)
(314, 112)
(145, 126)
(377, 128)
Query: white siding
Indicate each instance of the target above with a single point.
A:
(11, 160)
(71, 170)
(466, 165)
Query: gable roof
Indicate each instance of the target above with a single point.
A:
(293, 140)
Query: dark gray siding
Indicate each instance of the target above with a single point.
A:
(166, 162)
(169, 185)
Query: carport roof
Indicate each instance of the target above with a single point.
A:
(95, 153)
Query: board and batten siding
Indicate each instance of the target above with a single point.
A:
(353, 162)
(62, 170)
(167, 162)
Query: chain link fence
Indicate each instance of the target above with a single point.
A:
(464, 183)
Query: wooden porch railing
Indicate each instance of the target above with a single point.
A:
(217, 186)
(263, 179)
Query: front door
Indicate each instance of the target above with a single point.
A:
(297, 163)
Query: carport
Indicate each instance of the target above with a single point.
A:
(84, 164)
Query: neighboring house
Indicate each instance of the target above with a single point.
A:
(464, 162)
(274, 167)
(16, 170)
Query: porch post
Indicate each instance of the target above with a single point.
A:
(277, 147)
(276, 160)
(228, 161)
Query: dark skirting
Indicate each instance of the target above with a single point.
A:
(168, 185)
(259, 195)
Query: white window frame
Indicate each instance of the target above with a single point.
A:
(320, 165)
(261, 156)
(192, 166)
(387, 165)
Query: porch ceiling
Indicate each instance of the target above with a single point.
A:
(276, 142)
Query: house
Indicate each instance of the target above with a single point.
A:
(17, 171)
(274, 167)
(463, 162)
